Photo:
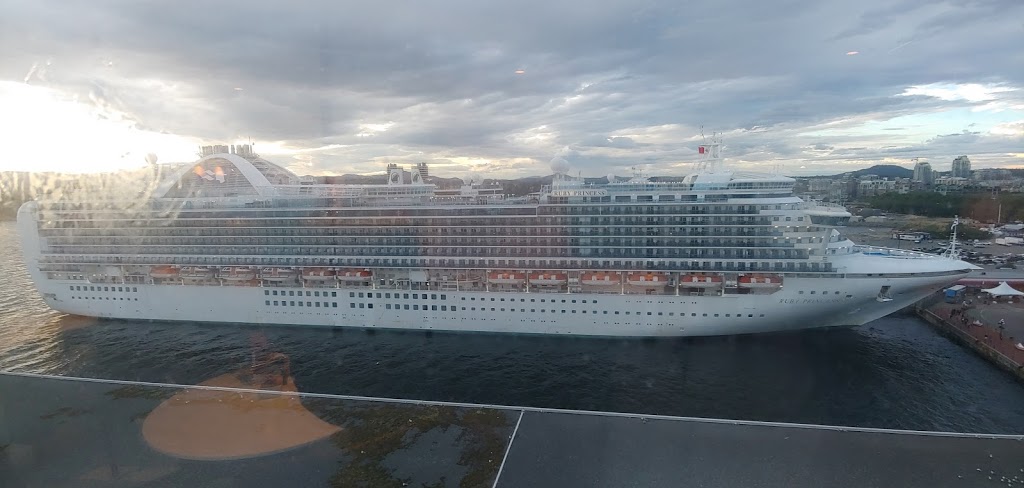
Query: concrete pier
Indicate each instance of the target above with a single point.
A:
(977, 326)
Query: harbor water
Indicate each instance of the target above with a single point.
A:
(892, 373)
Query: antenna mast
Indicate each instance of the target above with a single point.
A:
(710, 153)
(952, 252)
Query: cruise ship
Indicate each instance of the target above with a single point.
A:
(236, 238)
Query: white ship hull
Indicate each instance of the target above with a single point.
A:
(534, 313)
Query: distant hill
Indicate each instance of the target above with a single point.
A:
(884, 171)
(353, 179)
(349, 179)
(533, 184)
(445, 183)
(520, 186)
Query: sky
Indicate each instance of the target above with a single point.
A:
(502, 89)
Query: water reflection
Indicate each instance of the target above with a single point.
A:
(135, 434)
(212, 424)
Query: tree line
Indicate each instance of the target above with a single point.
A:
(978, 206)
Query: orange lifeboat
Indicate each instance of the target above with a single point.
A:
(700, 280)
(355, 275)
(650, 280)
(760, 281)
(278, 274)
(601, 279)
(547, 279)
(196, 272)
(237, 273)
(318, 274)
(163, 272)
(506, 278)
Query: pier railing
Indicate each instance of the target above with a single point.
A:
(888, 251)
(983, 336)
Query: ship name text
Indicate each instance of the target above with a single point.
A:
(579, 193)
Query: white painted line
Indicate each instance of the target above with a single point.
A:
(508, 449)
(1019, 437)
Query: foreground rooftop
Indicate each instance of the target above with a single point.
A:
(77, 432)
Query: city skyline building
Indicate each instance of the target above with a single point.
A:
(923, 173)
(961, 167)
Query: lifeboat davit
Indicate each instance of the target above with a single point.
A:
(506, 278)
(318, 274)
(195, 272)
(760, 281)
(163, 272)
(700, 280)
(237, 273)
(547, 279)
(601, 279)
(278, 274)
(355, 276)
(651, 280)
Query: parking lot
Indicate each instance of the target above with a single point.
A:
(987, 255)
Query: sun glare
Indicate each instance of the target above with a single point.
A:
(46, 130)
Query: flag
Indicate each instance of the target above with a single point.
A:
(956, 221)
(701, 149)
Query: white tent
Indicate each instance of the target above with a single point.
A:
(1003, 290)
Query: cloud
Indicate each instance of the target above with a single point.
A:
(331, 87)
(605, 141)
(1010, 129)
(971, 92)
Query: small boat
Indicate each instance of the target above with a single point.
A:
(355, 275)
(195, 272)
(278, 275)
(547, 279)
(163, 272)
(760, 281)
(601, 279)
(700, 280)
(237, 273)
(506, 278)
(650, 280)
(318, 274)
